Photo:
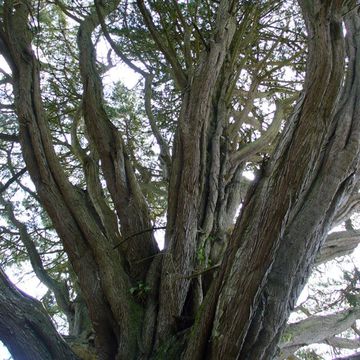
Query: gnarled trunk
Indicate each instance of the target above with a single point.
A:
(238, 307)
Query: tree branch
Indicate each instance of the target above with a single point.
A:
(73, 217)
(165, 158)
(350, 357)
(316, 329)
(4, 187)
(179, 74)
(59, 289)
(343, 343)
(9, 137)
(266, 138)
(25, 328)
(112, 43)
(351, 206)
(338, 244)
(118, 171)
(140, 233)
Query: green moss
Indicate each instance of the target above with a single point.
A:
(136, 319)
(286, 337)
(173, 348)
(137, 314)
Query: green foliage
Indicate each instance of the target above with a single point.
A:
(173, 348)
(352, 290)
(140, 291)
(201, 255)
(308, 355)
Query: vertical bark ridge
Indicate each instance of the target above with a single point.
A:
(326, 33)
(294, 167)
(183, 215)
(336, 179)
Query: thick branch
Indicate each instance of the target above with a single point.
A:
(289, 211)
(165, 158)
(59, 289)
(90, 164)
(264, 141)
(124, 189)
(338, 244)
(171, 57)
(26, 329)
(316, 329)
(189, 163)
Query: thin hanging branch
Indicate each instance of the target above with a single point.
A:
(140, 233)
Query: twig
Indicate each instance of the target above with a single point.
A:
(9, 137)
(198, 273)
(149, 257)
(13, 179)
(139, 233)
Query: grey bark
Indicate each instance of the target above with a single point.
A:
(187, 173)
(282, 226)
(318, 329)
(338, 244)
(350, 357)
(25, 327)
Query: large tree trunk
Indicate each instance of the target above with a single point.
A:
(188, 185)
(241, 311)
(289, 211)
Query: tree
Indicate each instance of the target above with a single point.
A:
(227, 86)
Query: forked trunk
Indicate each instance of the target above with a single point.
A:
(237, 307)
